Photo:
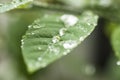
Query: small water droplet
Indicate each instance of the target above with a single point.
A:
(69, 44)
(39, 48)
(69, 20)
(36, 26)
(65, 53)
(89, 24)
(55, 39)
(54, 50)
(81, 38)
(39, 59)
(118, 63)
(22, 41)
(32, 33)
(62, 31)
(30, 26)
(43, 65)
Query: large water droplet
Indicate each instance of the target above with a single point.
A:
(69, 20)
(69, 44)
(55, 39)
(62, 31)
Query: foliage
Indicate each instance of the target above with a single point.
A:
(61, 26)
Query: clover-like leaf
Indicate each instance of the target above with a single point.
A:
(53, 36)
(12, 5)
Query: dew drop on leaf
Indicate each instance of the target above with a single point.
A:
(39, 59)
(62, 31)
(55, 39)
(22, 41)
(39, 48)
(32, 33)
(69, 20)
(69, 44)
(81, 38)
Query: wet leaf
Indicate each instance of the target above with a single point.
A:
(13, 5)
(53, 36)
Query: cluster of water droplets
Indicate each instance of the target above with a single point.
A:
(53, 49)
(55, 39)
(22, 43)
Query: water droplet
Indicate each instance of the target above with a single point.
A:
(36, 26)
(62, 31)
(22, 41)
(89, 24)
(54, 50)
(30, 26)
(69, 20)
(69, 44)
(118, 63)
(39, 59)
(81, 38)
(89, 70)
(65, 53)
(21, 46)
(43, 65)
(39, 48)
(32, 33)
(55, 39)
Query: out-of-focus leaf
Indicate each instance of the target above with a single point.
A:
(13, 4)
(53, 36)
(110, 27)
(116, 41)
(108, 9)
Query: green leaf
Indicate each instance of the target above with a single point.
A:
(13, 4)
(53, 36)
(115, 40)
